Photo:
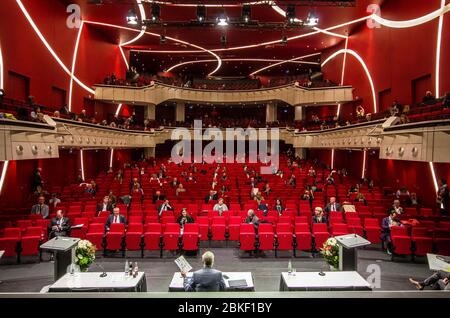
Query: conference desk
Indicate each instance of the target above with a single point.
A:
(177, 281)
(92, 282)
(312, 281)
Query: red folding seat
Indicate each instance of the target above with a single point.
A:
(218, 228)
(96, 234)
(336, 217)
(411, 212)
(285, 219)
(247, 237)
(133, 236)
(426, 212)
(422, 241)
(442, 240)
(401, 241)
(104, 214)
(284, 238)
(168, 219)
(115, 237)
(266, 237)
(135, 219)
(373, 230)
(338, 229)
(354, 226)
(303, 237)
(302, 219)
(171, 237)
(79, 232)
(203, 225)
(24, 224)
(190, 237)
(151, 219)
(88, 215)
(152, 237)
(321, 234)
(444, 225)
(234, 224)
(10, 241)
(31, 241)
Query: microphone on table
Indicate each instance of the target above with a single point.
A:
(104, 274)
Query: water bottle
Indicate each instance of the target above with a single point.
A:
(290, 267)
(130, 269)
(126, 268)
(136, 270)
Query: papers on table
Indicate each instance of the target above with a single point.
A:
(438, 262)
(78, 226)
(1, 253)
(183, 264)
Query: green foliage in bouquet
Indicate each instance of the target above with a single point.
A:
(84, 254)
(330, 252)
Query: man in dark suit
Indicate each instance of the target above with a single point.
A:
(115, 218)
(40, 208)
(206, 279)
(164, 207)
(386, 224)
(212, 196)
(158, 197)
(333, 206)
(59, 226)
(105, 205)
(443, 197)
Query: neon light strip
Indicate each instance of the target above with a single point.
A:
(363, 64)
(1, 69)
(119, 107)
(363, 173)
(111, 158)
(124, 57)
(3, 177)
(436, 186)
(413, 22)
(171, 4)
(331, 33)
(144, 28)
(219, 61)
(332, 158)
(282, 62)
(238, 60)
(50, 49)
(344, 62)
(74, 62)
(82, 164)
(438, 50)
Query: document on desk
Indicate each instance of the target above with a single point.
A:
(183, 264)
(438, 262)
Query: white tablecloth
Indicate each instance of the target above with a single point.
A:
(331, 280)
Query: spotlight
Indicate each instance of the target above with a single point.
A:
(162, 39)
(201, 13)
(156, 11)
(312, 20)
(290, 13)
(223, 40)
(284, 40)
(246, 13)
(222, 19)
(132, 17)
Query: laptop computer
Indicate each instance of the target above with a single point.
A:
(237, 283)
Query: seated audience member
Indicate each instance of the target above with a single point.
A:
(40, 208)
(119, 176)
(360, 197)
(252, 218)
(333, 206)
(438, 281)
(443, 197)
(413, 200)
(312, 172)
(279, 207)
(292, 181)
(446, 101)
(59, 225)
(174, 183)
(386, 225)
(112, 198)
(54, 201)
(267, 189)
(180, 189)
(220, 206)
(402, 192)
(105, 205)
(318, 216)
(353, 189)
(116, 217)
(258, 198)
(212, 196)
(396, 207)
(164, 207)
(184, 218)
(206, 279)
(158, 197)
(428, 98)
(403, 119)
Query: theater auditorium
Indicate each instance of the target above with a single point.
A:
(178, 146)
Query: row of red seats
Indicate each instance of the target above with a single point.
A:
(17, 242)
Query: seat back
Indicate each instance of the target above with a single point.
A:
(172, 228)
(33, 231)
(135, 228)
(117, 228)
(13, 232)
(399, 231)
(96, 228)
(320, 227)
(265, 228)
(153, 227)
(284, 228)
(190, 228)
(371, 222)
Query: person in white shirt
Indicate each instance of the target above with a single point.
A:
(220, 206)
(115, 218)
(54, 201)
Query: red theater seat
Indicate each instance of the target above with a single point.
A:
(171, 236)
(284, 238)
(115, 237)
(31, 241)
(218, 228)
(423, 242)
(321, 234)
(247, 237)
(96, 234)
(133, 236)
(401, 241)
(303, 237)
(266, 237)
(190, 238)
(373, 230)
(442, 241)
(234, 224)
(10, 240)
(152, 237)
(203, 225)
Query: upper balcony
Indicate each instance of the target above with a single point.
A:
(157, 93)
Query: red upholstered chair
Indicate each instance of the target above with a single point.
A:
(135, 219)
(31, 241)
(422, 241)
(426, 212)
(168, 219)
(10, 240)
(24, 224)
(373, 230)
(133, 237)
(79, 232)
(354, 226)
(339, 229)
(104, 214)
(151, 219)
(115, 237)
(401, 241)
(442, 240)
(284, 238)
(152, 237)
(321, 234)
(218, 228)
(99, 219)
(171, 237)
(247, 237)
(266, 237)
(203, 225)
(190, 237)
(303, 237)
(96, 234)
(234, 224)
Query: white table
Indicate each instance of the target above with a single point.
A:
(305, 281)
(177, 281)
(92, 282)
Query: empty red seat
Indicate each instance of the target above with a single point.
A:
(203, 225)
(234, 224)
(247, 237)
(152, 236)
(190, 238)
(218, 228)
(426, 212)
(79, 232)
(31, 241)
(354, 226)
(96, 234)
(284, 238)
(266, 237)
(24, 224)
(401, 241)
(423, 242)
(151, 219)
(171, 236)
(321, 234)
(442, 240)
(339, 229)
(303, 237)
(135, 219)
(373, 230)
(10, 240)
(133, 236)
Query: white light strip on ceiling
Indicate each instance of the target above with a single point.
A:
(124, 57)
(172, 4)
(330, 33)
(332, 158)
(119, 107)
(50, 49)
(3, 176)
(82, 164)
(438, 51)
(411, 23)
(239, 60)
(74, 62)
(366, 70)
(363, 173)
(144, 27)
(344, 62)
(283, 62)
(111, 158)
(436, 186)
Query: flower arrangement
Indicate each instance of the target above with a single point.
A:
(330, 252)
(84, 254)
